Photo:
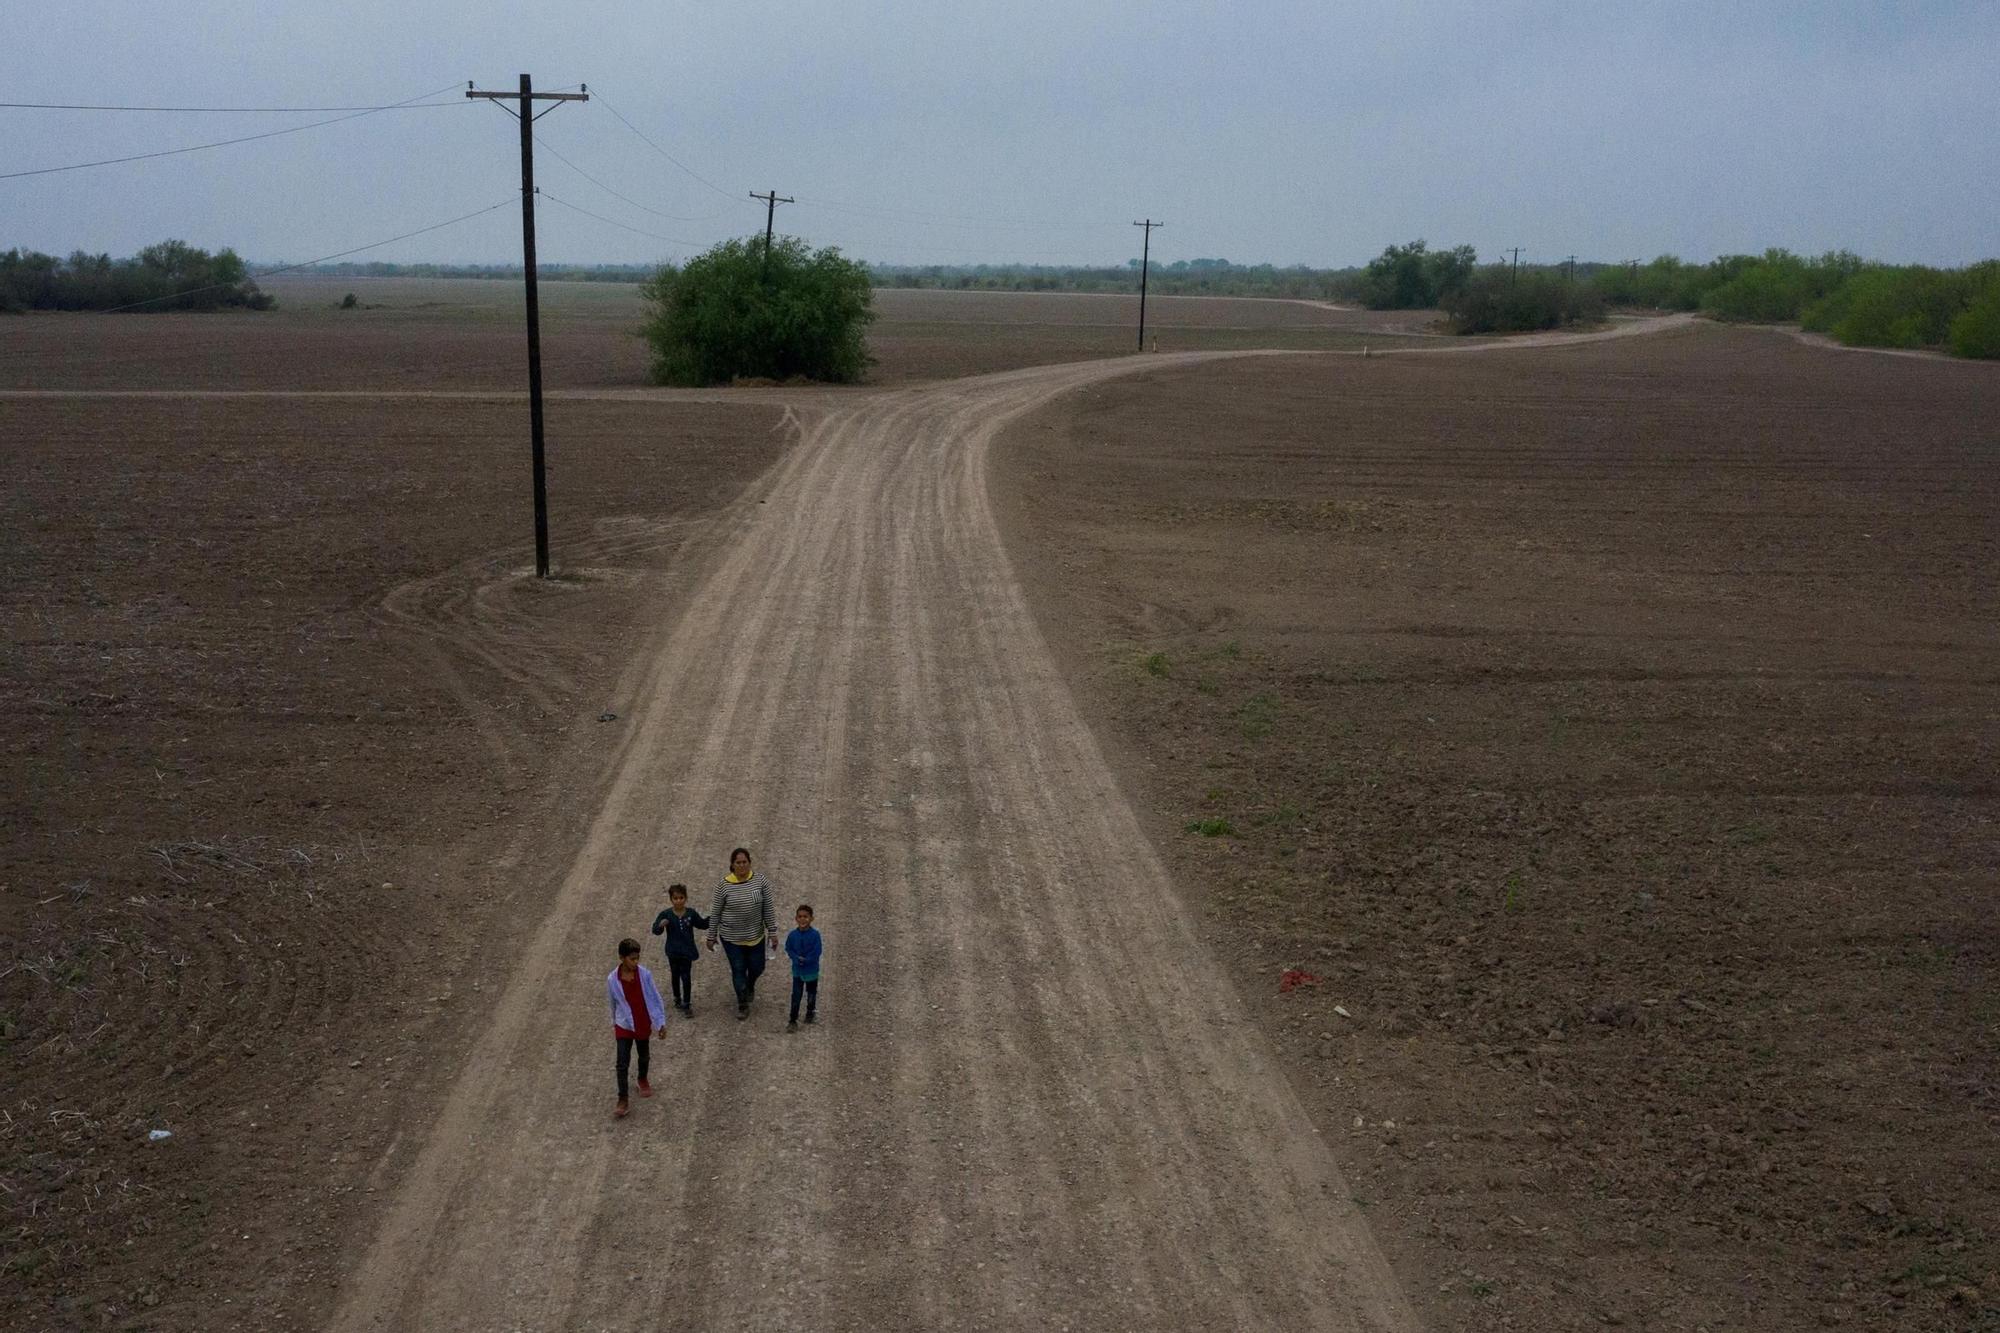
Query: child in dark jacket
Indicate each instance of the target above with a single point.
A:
(802, 946)
(678, 923)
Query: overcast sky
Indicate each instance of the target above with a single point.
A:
(964, 130)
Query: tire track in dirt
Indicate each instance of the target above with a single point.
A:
(1035, 1099)
(990, 1128)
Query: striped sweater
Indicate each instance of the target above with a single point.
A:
(742, 913)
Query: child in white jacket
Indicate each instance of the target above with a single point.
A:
(636, 1012)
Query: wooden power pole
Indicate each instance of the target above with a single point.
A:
(1145, 262)
(771, 200)
(527, 96)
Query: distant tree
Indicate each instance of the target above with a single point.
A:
(729, 314)
(1451, 270)
(1776, 286)
(172, 275)
(1908, 305)
(1415, 277)
(1664, 284)
(1499, 300)
(1976, 329)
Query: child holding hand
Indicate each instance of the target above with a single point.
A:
(678, 922)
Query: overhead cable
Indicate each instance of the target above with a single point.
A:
(412, 105)
(223, 143)
(940, 220)
(636, 231)
(323, 259)
(599, 97)
(671, 217)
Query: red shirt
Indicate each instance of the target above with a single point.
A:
(635, 1000)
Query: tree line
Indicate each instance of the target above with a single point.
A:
(172, 275)
(1856, 302)
(1182, 277)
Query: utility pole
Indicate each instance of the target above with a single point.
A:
(1145, 262)
(1515, 272)
(527, 116)
(1570, 266)
(771, 200)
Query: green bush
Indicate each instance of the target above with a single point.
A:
(1414, 276)
(172, 275)
(1775, 287)
(1891, 307)
(1664, 284)
(729, 314)
(1976, 329)
(1502, 300)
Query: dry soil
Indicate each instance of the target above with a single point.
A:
(1609, 729)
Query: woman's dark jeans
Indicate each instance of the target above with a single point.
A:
(746, 964)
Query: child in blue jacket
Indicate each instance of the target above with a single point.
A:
(802, 946)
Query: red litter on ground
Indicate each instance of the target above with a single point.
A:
(1294, 978)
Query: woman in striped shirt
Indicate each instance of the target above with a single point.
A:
(742, 916)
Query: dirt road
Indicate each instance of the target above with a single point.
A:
(1033, 1100)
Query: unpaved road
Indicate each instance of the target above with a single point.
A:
(1033, 1100)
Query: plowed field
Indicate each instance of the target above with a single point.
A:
(278, 704)
(1599, 736)
(1609, 730)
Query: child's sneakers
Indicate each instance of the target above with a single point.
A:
(645, 1088)
(792, 1026)
(810, 1018)
(624, 1109)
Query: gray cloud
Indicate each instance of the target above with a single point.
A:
(920, 132)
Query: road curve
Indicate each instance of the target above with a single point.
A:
(1033, 1100)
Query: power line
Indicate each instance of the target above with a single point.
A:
(942, 220)
(223, 143)
(323, 259)
(671, 217)
(636, 231)
(663, 152)
(933, 219)
(1057, 259)
(242, 110)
